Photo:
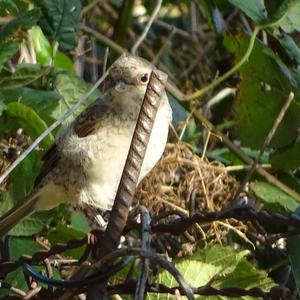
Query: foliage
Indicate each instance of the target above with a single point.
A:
(45, 70)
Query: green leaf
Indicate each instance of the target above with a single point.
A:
(18, 247)
(20, 183)
(79, 222)
(30, 121)
(43, 51)
(42, 102)
(8, 7)
(41, 45)
(25, 74)
(222, 265)
(264, 87)
(293, 248)
(289, 46)
(13, 29)
(3, 107)
(63, 233)
(287, 159)
(21, 246)
(72, 88)
(245, 276)
(7, 50)
(274, 199)
(290, 11)
(255, 9)
(60, 19)
(28, 227)
(62, 61)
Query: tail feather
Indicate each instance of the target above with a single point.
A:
(15, 215)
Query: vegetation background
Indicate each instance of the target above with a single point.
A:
(233, 65)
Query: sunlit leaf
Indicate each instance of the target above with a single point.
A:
(255, 9)
(222, 265)
(274, 199)
(30, 121)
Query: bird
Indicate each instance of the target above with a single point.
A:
(85, 163)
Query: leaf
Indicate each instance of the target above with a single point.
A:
(7, 50)
(18, 247)
(264, 87)
(42, 102)
(3, 107)
(41, 45)
(290, 11)
(30, 121)
(245, 276)
(255, 9)
(274, 199)
(79, 222)
(226, 266)
(289, 46)
(20, 182)
(60, 19)
(20, 185)
(287, 159)
(293, 248)
(62, 61)
(13, 30)
(63, 233)
(44, 53)
(25, 74)
(8, 7)
(28, 227)
(72, 88)
(21, 246)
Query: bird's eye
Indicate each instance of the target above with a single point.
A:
(144, 78)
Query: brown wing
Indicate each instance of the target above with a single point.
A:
(85, 124)
(92, 118)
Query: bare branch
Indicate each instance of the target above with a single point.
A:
(147, 28)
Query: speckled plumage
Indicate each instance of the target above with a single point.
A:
(86, 162)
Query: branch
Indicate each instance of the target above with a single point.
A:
(147, 28)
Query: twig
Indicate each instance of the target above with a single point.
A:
(164, 47)
(155, 258)
(8, 286)
(141, 284)
(147, 28)
(88, 7)
(266, 142)
(228, 73)
(243, 156)
(102, 38)
(51, 128)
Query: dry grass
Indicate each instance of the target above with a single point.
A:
(185, 182)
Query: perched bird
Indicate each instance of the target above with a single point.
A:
(85, 164)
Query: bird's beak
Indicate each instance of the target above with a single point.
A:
(120, 85)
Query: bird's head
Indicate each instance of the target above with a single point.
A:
(130, 75)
